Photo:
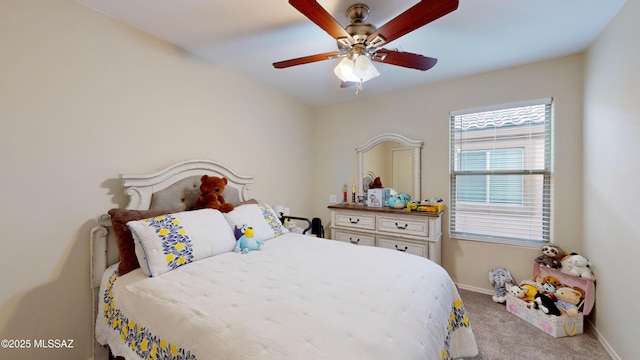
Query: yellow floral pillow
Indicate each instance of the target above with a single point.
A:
(261, 217)
(166, 242)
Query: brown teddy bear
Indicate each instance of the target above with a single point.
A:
(211, 189)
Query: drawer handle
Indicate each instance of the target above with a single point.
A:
(354, 222)
(403, 250)
(402, 227)
(354, 242)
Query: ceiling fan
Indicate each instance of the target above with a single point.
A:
(359, 43)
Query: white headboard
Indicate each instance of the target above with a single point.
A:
(174, 187)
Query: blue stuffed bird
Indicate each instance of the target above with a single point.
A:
(246, 241)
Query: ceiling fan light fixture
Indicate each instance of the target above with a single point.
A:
(359, 70)
(364, 68)
(359, 42)
(345, 70)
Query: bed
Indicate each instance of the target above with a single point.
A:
(299, 297)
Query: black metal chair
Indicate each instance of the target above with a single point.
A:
(315, 224)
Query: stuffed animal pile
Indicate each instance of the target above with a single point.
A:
(548, 294)
(570, 263)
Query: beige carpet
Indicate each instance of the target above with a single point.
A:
(501, 335)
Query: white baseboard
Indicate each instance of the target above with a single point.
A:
(603, 341)
(599, 336)
(476, 289)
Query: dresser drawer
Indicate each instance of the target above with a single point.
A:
(415, 233)
(356, 221)
(410, 248)
(356, 239)
(404, 225)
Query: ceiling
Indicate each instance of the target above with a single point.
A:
(480, 36)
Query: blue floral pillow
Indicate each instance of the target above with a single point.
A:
(272, 219)
(166, 242)
(261, 217)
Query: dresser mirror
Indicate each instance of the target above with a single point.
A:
(395, 159)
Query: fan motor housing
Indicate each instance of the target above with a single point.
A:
(358, 29)
(357, 13)
(360, 32)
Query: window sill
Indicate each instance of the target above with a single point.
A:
(521, 243)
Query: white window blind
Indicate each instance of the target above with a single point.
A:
(501, 172)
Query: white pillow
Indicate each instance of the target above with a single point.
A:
(260, 217)
(166, 242)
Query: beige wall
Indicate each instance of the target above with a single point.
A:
(422, 113)
(612, 168)
(84, 98)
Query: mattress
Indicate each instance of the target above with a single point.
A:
(299, 298)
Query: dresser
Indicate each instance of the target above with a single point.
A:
(417, 233)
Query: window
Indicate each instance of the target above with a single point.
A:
(501, 172)
(490, 189)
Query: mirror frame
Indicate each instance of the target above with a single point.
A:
(416, 145)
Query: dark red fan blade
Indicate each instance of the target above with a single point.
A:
(305, 59)
(316, 13)
(415, 17)
(346, 84)
(404, 59)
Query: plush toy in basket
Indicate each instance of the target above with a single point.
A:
(578, 265)
(551, 256)
(568, 300)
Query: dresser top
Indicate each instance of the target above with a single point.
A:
(385, 209)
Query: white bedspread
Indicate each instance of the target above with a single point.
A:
(298, 298)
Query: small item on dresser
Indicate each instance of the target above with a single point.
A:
(399, 201)
(430, 208)
(377, 183)
(499, 278)
(344, 193)
(433, 200)
(353, 193)
(378, 197)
